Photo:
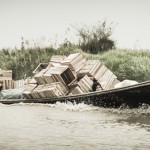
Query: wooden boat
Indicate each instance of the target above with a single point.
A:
(132, 96)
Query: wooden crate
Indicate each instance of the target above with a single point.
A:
(63, 89)
(40, 67)
(100, 71)
(48, 77)
(7, 84)
(90, 68)
(107, 79)
(39, 77)
(35, 93)
(5, 75)
(59, 74)
(52, 90)
(85, 84)
(76, 90)
(74, 61)
(29, 88)
(57, 58)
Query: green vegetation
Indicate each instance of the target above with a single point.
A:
(95, 43)
(96, 38)
(126, 64)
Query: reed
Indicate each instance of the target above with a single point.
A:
(126, 64)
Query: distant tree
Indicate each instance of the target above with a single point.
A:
(96, 38)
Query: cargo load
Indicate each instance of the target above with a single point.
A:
(74, 73)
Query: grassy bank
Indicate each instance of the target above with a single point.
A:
(126, 64)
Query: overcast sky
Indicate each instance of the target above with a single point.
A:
(47, 20)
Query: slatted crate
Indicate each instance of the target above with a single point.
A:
(40, 67)
(74, 61)
(29, 88)
(85, 84)
(60, 74)
(90, 68)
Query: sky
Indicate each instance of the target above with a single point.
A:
(46, 21)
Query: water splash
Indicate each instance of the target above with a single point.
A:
(74, 106)
(68, 106)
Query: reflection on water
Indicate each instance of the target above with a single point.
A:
(72, 126)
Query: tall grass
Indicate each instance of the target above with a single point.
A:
(126, 64)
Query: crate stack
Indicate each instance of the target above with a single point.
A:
(97, 70)
(68, 76)
(49, 90)
(75, 62)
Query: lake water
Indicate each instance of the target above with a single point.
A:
(70, 126)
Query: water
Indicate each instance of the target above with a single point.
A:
(63, 126)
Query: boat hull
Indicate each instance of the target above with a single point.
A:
(132, 96)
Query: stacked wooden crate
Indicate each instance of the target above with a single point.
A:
(35, 93)
(59, 74)
(28, 91)
(95, 69)
(46, 90)
(40, 67)
(7, 84)
(39, 77)
(55, 61)
(6, 79)
(48, 78)
(76, 90)
(55, 89)
(57, 58)
(90, 68)
(72, 74)
(107, 79)
(85, 84)
(74, 61)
